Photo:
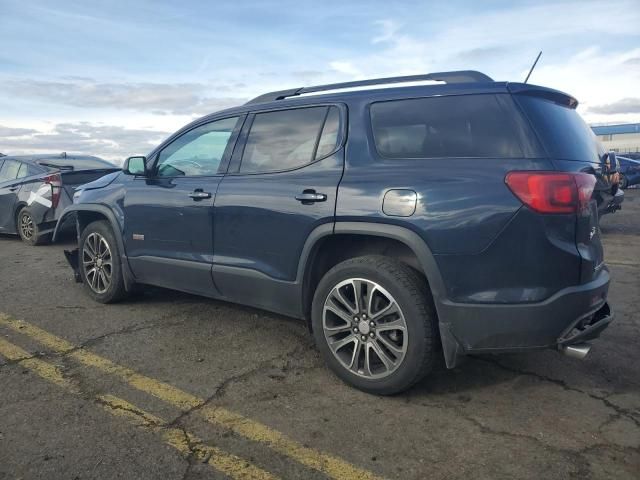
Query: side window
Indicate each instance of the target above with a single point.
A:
(329, 137)
(436, 127)
(283, 139)
(9, 170)
(23, 171)
(198, 151)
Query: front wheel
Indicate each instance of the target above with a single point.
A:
(99, 263)
(374, 324)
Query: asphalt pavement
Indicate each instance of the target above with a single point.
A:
(172, 386)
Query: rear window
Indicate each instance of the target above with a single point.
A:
(561, 129)
(437, 127)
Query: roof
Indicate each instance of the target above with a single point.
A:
(616, 129)
(460, 76)
(50, 156)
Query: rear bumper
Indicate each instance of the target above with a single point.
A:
(571, 316)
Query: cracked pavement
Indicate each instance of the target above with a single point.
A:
(539, 415)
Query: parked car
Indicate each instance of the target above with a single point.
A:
(35, 189)
(402, 223)
(629, 171)
(607, 192)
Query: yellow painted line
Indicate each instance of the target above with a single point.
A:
(186, 443)
(43, 369)
(330, 465)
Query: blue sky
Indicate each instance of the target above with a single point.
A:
(114, 78)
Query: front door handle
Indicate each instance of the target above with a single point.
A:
(308, 197)
(198, 194)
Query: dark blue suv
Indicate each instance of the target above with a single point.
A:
(402, 223)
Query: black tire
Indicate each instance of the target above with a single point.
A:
(411, 292)
(28, 229)
(115, 291)
(624, 182)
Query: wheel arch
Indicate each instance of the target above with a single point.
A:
(87, 213)
(410, 241)
(20, 205)
(327, 247)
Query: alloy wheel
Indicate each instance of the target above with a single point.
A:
(97, 262)
(365, 328)
(27, 227)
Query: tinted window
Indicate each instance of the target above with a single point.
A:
(456, 126)
(198, 151)
(562, 131)
(23, 171)
(329, 137)
(9, 170)
(282, 140)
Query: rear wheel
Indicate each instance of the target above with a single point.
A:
(28, 229)
(374, 324)
(99, 263)
(624, 182)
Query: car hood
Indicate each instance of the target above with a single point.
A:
(100, 182)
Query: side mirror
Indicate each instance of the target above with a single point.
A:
(135, 166)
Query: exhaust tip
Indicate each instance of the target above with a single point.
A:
(579, 350)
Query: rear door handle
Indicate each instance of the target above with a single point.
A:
(198, 194)
(310, 196)
(13, 189)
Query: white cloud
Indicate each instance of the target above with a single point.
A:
(160, 98)
(596, 78)
(111, 142)
(504, 43)
(624, 106)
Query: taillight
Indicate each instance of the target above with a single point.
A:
(56, 186)
(552, 192)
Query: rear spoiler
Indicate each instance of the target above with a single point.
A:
(55, 165)
(555, 96)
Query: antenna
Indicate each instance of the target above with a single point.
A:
(533, 66)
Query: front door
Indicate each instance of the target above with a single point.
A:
(280, 186)
(169, 213)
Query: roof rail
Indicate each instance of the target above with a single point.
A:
(462, 76)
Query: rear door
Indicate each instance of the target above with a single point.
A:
(281, 184)
(9, 189)
(169, 214)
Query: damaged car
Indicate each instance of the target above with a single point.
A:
(340, 208)
(35, 189)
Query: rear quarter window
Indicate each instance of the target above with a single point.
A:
(451, 126)
(561, 129)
